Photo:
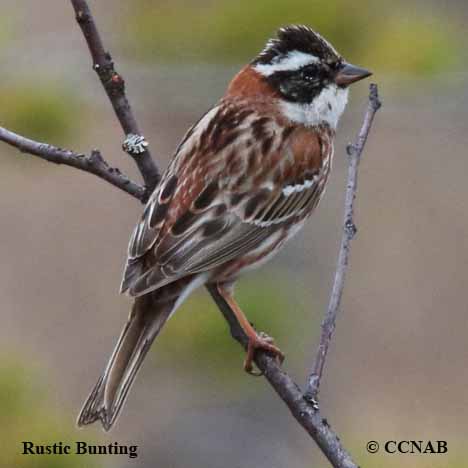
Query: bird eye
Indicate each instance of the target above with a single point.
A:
(309, 73)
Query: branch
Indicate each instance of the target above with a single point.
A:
(94, 163)
(349, 230)
(303, 408)
(114, 85)
(302, 405)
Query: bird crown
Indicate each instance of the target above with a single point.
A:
(297, 38)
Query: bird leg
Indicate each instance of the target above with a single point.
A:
(256, 340)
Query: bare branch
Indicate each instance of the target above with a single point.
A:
(349, 230)
(94, 164)
(302, 408)
(114, 86)
(302, 405)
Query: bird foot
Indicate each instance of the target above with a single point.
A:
(265, 343)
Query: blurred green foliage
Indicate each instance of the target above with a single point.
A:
(41, 111)
(27, 415)
(422, 45)
(5, 30)
(384, 36)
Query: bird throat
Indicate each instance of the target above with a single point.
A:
(325, 109)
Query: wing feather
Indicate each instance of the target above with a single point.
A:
(208, 209)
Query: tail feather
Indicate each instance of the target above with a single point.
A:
(146, 319)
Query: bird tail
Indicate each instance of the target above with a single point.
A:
(147, 317)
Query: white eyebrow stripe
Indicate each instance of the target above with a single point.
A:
(292, 61)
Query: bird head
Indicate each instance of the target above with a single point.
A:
(306, 75)
(300, 64)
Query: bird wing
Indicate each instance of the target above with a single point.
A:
(223, 195)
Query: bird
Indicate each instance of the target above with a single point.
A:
(242, 182)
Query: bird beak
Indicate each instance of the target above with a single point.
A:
(349, 74)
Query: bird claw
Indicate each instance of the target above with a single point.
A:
(266, 343)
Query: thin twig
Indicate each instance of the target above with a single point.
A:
(114, 85)
(94, 163)
(349, 230)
